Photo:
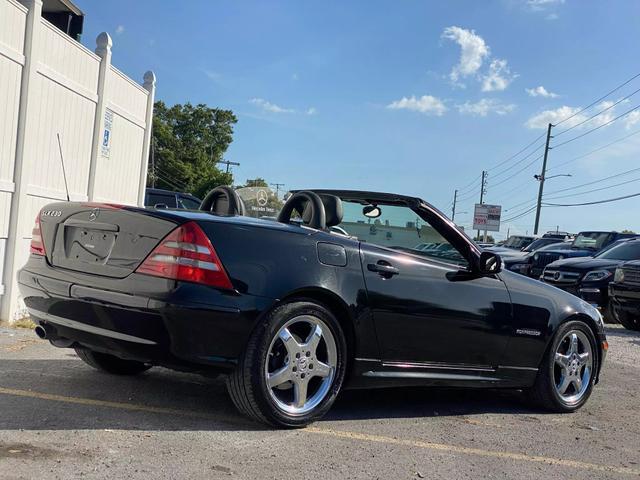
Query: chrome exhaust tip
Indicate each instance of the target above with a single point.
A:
(41, 332)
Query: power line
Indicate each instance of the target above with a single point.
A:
(598, 127)
(470, 183)
(520, 161)
(515, 154)
(598, 100)
(596, 181)
(594, 190)
(594, 151)
(519, 171)
(608, 200)
(599, 113)
(520, 215)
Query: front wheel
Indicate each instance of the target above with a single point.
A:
(567, 373)
(629, 322)
(293, 367)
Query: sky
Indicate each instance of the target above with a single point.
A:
(413, 97)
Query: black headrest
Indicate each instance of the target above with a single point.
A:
(332, 209)
(223, 200)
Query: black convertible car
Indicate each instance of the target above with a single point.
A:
(330, 294)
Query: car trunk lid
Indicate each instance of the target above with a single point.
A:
(101, 239)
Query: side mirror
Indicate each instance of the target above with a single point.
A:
(161, 205)
(371, 211)
(489, 263)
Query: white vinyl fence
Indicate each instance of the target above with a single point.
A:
(50, 86)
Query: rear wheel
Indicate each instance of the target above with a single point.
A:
(293, 367)
(110, 363)
(567, 374)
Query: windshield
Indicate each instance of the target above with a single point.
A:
(539, 243)
(624, 251)
(516, 241)
(590, 240)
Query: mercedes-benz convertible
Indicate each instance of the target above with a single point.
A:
(296, 301)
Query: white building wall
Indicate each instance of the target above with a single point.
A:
(50, 86)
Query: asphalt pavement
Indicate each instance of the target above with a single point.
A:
(61, 419)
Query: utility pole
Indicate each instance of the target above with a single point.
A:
(453, 211)
(277, 185)
(483, 186)
(227, 163)
(541, 179)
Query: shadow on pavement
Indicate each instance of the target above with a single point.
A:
(194, 402)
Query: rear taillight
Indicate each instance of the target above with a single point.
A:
(187, 254)
(37, 246)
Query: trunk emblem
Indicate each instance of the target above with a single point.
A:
(94, 214)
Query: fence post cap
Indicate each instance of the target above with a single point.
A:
(103, 43)
(149, 79)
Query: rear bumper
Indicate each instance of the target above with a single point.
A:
(181, 325)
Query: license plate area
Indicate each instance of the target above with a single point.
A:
(88, 245)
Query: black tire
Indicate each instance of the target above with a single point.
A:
(629, 322)
(610, 315)
(247, 384)
(110, 363)
(543, 393)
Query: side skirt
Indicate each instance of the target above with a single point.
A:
(372, 373)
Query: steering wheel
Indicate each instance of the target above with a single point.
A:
(309, 206)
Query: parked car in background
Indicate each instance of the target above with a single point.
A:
(589, 277)
(522, 263)
(158, 198)
(624, 294)
(518, 242)
(585, 244)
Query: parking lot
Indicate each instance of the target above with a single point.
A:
(61, 419)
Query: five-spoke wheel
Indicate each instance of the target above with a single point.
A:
(566, 375)
(293, 366)
(301, 364)
(573, 366)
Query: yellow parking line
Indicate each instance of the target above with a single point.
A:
(102, 403)
(472, 451)
(363, 437)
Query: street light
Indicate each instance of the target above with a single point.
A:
(540, 177)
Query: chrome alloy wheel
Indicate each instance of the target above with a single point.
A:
(301, 364)
(573, 366)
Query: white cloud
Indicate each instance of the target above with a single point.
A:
(632, 119)
(553, 16)
(540, 91)
(119, 29)
(212, 75)
(538, 5)
(426, 104)
(555, 116)
(542, 119)
(311, 111)
(294, 76)
(270, 107)
(484, 107)
(473, 51)
(499, 76)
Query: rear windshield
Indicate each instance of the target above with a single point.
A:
(515, 241)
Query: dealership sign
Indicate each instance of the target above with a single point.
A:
(487, 217)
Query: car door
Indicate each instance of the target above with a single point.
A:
(431, 312)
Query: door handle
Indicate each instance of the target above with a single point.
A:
(383, 268)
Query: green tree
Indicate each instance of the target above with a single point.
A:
(490, 239)
(256, 182)
(626, 230)
(188, 142)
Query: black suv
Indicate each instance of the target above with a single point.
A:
(624, 293)
(589, 277)
(586, 244)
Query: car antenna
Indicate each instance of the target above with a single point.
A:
(64, 173)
